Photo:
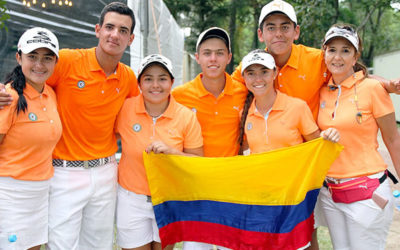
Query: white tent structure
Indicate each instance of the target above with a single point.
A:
(387, 65)
(156, 31)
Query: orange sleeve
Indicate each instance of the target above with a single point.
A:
(134, 90)
(193, 136)
(307, 123)
(381, 101)
(7, 113)
(237, 75)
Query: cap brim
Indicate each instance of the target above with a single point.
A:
(29, 48)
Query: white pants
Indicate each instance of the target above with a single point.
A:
(135, 219)
(360, 225)
(23, 213)
(82, 207)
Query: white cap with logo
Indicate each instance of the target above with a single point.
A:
(214, 32)
(36, 38)
(345, 32)
(155, 58)
(258, 57)
(278, 6)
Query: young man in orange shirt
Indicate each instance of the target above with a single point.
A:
(213, 95)
(91, 86)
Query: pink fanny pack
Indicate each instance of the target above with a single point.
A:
(355, 190)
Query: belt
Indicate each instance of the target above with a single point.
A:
(82, 164)
(381, 179)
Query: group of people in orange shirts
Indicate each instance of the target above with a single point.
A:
(59, 181)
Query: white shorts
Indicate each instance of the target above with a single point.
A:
(135, 219)
(82, 207)
(358, 225)
(23, 213)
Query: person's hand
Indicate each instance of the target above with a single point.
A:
(160, 147)
(5, 98)
(395, 86)
(330, 134)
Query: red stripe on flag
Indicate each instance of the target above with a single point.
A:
(234, 238)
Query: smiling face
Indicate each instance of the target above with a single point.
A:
(37, 66)
(213, 56)
(115, 34)
(278, 33)
(259, 79)
(340, 57)
(155, 83)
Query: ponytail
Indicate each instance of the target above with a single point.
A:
(360, 66)
(246, 107)
(17, 80)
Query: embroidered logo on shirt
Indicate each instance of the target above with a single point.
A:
(236, 107)
(194, 110)
(117, 89)
(32, 116)
(249, 126)
(137, 127)
(323, 103)
(81, 84)
(302, 77)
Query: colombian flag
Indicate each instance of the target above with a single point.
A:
(260, 201)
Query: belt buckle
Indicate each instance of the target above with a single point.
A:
(85, 164)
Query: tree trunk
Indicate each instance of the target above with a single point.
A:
(232, 30)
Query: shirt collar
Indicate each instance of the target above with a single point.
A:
(94, 64)
(228, 89)
(279, 104)
(168, 113)
(294, 57)
(32, 93)
(351, 80)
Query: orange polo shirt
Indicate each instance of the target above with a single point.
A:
(360, 155)
(218, 117)
(177, 127)
(289, 119)
(30, 136)
(88, 103)
(302, 76)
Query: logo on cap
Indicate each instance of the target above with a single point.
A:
(41, 37)
(81, 84)
(32, 116)
(256, 57)
(137, 127)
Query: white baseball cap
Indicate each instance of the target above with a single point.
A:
(155, 58)
(278, 6)
(214, 32)
(258, 57)
(346, 32)
(36, 38)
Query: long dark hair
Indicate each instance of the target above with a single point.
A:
(17, 80)
(246, 107)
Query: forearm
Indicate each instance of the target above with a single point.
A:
(393, 146)
(391, 86)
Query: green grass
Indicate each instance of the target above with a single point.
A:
(324, 240)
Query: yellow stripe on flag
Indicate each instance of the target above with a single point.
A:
(280, 177)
